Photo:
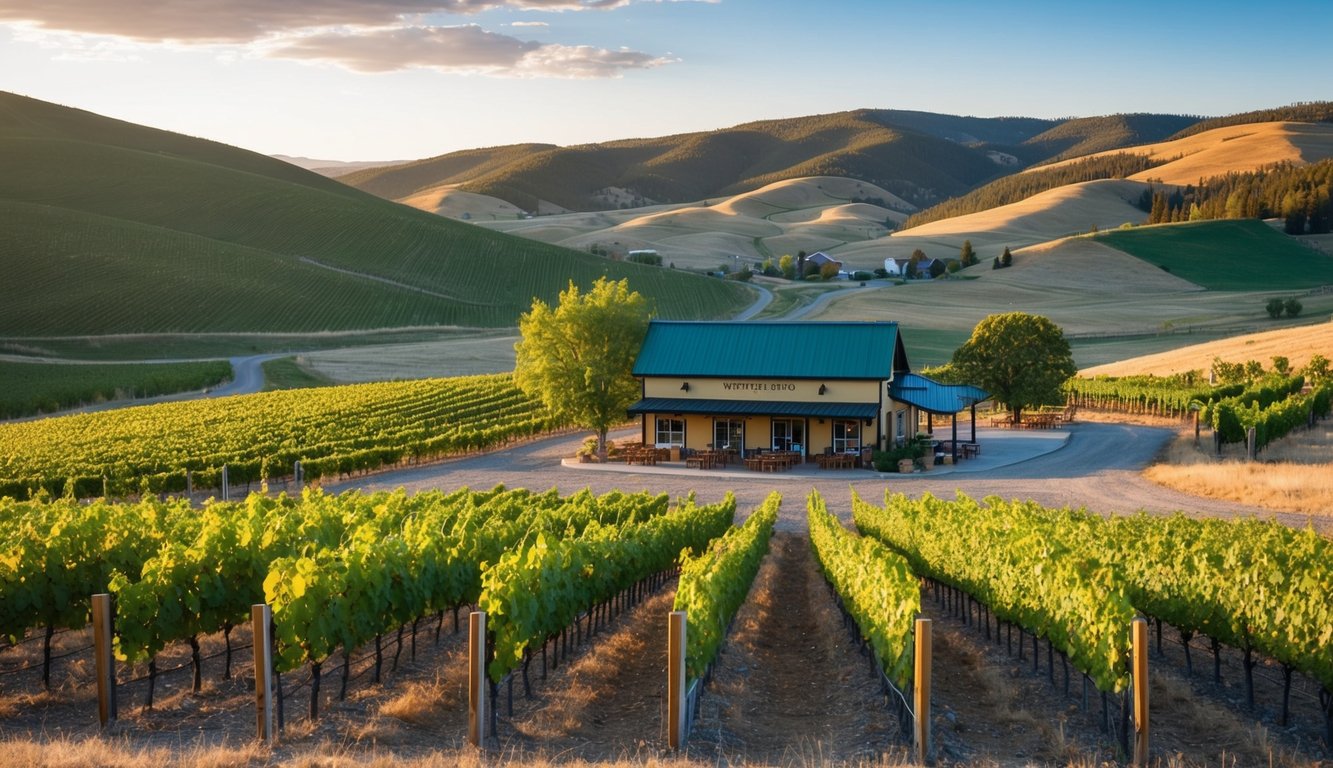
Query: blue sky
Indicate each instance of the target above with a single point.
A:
(401, 79)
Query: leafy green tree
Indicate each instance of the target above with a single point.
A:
(1317, 369)
(1021, 359)
(1274, 308)
(966, 256)
(1281, 365)
(1227, 373)
(1292, 306)
(828, 271)
(1006, 258)
(788, 266)
(577, 358)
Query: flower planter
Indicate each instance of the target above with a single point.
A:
(905, 466)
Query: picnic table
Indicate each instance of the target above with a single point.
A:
(1041, 421)
(961, 449)
(640, 454)
(773, 461)
(707, 459)
(837, 460)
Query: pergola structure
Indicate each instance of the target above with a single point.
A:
(938, 399)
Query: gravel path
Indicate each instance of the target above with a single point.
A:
(1098, 467)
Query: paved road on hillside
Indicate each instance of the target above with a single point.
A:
(247, 378)
(1097, 468)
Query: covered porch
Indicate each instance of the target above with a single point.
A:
(937, 399)
(760, 435)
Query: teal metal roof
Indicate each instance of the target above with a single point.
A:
(748, 408)
(930, 395)
(776, 350)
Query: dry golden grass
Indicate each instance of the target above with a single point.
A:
(1203, 732)
(806, 214)
(448, 200)
(1081, 285)
(425, 702)
(1233, 148)
(1067, 210)
(1296, 344)
(1294, 474)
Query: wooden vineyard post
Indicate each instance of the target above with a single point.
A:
(476, 678)
(676, 709)
(226, 487)
(1250, 444)
(1196, 427)
(104, 663)
(921, 746)
(261, 618)
(1140, 671)
(297, 476)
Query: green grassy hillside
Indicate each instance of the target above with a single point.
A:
(115, 228)
(919, 156)
(1230, 255)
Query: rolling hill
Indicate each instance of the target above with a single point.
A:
(1232, 149)
(1298, 344)
(1226, 255)
(783, 217)
(117, 228)
(918, 156)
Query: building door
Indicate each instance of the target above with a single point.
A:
(728, 434)
(788, 434)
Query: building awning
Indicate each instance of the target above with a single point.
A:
(933, 397)
(681, 405)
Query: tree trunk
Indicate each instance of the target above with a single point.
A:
(1017, 412)
(601, 446)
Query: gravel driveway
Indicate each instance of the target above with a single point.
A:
(1098, 467)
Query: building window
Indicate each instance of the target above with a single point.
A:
(846, 436)
(728, 434)
(670, 432)
(788, 434)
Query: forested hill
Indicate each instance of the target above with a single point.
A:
(1308, 112)
(921, 157)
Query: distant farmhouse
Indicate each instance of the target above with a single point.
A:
(820, 259)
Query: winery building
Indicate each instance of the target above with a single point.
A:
(810, 387)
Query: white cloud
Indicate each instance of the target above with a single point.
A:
(361, 35)
(239, 21)
(466, 48)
